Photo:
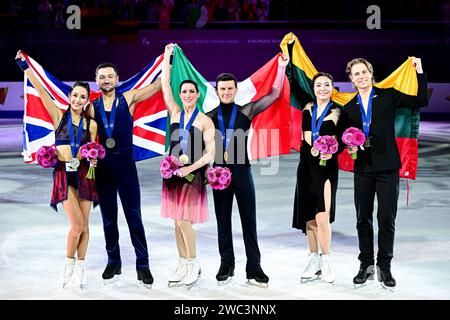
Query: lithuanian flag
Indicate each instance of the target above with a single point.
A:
(404, 79)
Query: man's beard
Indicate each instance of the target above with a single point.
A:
(107, 90)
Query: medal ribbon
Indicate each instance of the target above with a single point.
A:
(316, 124)
(109, 126)
(366, 117)
(227, 137)
(74, 143)
(184, 131)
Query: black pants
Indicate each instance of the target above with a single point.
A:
(118, 173)
(243, 188)
(385, 185)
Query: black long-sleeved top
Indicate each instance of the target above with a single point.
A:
(383, 153)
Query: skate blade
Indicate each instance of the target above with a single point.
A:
(189, 286)
(361, 285)
(174, 284)
(224, 283)
(110, 281)
(145, 285)
(310, 279)
(254, 283)
(390, 289)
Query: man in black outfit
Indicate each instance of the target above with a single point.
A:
(376, 169)
(232, 123)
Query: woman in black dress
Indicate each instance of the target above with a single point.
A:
(315, 194)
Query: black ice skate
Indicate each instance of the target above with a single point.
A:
(385, 277)
(110, 273)
(364, 274)
(225, 274)
(257, 277)
(145, 277)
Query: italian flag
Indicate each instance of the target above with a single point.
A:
(404, 79)
(270, 130)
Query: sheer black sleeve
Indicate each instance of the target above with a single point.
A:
(252, 109)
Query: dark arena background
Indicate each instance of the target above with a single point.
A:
(237, 36)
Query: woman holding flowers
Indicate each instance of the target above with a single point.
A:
(317, 177)
(192, 143)
(70, 185)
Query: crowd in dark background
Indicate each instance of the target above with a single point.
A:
(212, 13)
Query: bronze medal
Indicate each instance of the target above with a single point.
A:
(367, 142)
(314, 152)
(184, 158)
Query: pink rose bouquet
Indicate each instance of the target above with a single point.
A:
(92, 151)
(47, 157)
(353, 137)
(218, 177)
(326, 145)
(170, 166)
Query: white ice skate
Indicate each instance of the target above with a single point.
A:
(312, 270)
(79, 275)
(328, 273)
(68, 272)
(177, 277)
(193, 272)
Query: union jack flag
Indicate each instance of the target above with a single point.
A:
(150, 116)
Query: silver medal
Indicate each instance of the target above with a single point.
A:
(110, 143)
(74, 163)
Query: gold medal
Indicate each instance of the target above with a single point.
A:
(225, 156)
(314, 152)
(367, 142)
(184, 158)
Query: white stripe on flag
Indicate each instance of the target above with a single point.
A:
(211, 100)
(149, 145)
(38, 122)
(141, 122)
(246, 92)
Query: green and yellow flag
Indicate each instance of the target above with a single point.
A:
(404, 79)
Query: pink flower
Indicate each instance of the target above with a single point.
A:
(353, 137)
(93, 153)
(170, 166)
(167, 174)
(47, 157)
(333, 148)
(326, 145)
(101, 152)
(218, 177)
(359, 138)
(165, 165)
(211, 175)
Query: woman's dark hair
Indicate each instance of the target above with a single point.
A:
(83, 85)
(189, 81)
(322, 74)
